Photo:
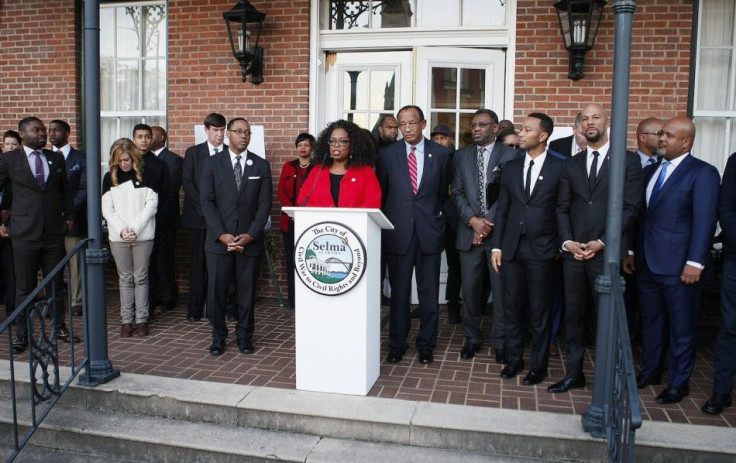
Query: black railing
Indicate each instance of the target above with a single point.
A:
(45, 383)
(622, 410)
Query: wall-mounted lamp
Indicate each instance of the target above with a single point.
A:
(579, 21)
(244, 29)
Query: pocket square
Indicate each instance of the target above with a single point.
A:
(254, 178)
(76, 167)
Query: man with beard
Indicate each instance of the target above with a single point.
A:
(582, 207)
(387, 131)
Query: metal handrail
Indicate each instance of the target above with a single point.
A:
(43, 352)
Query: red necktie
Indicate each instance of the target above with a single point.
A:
(412, 159)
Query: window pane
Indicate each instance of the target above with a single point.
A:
(444, 88)
(713, 79)
(442, 118)
(710, 140)
(717, 23)
(464, 135)
(107, 32)
(361, 119)
(127, 86)
(392, 13)
(346, 14)
(153, 22)
(355, 90)
(472, 88)
(128, 26)
(154, 75)
(732, 148)
(382, 90)
(438, 13)
(483, 13)
(107, 85)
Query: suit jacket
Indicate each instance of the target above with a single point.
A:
(194, 159)
(168, 209)
(727, 208)
(563, 146)
(358, 188)
(533, 216)
(465, 186)
(227, 210)
(76, 173)
(581, 213)
(679, 225)
(403, 208)
(34, 212)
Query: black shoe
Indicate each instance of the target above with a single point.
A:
(425, 356)
(20, 342)
(469, 350)
(673, 395)
(453, 315)
(535, 376)
(414, 313)
(246, 347)
(566, 384)
(193, 318)
(500, 356)
(649, 380)
(62, 333)
(217, 348)
(394, 355)
(512, 369)
(716, 404)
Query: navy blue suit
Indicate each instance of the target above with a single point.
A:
(417, 240)
(76, 172)
(676, 228)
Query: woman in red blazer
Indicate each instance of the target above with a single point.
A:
(345, 175)
(293, 175)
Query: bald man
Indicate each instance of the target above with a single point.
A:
(582, 207)
(675, 236)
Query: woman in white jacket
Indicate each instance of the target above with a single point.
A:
(129, 207)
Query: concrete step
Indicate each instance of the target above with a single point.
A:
(379, 424)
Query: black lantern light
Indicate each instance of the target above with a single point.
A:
(244, 29)
(579, 21)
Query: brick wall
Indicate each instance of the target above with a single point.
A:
(660, 63)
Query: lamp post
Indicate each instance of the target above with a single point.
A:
(244, 25)
(579, 21)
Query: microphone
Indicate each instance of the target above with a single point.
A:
(314, 183)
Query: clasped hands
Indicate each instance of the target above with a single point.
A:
(482, 228)
(235, 243)
(584, 251)
(128, 235)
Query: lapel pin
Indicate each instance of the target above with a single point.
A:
(50, 162)
(249, 162)
(541, 178)
(352, 179)
(429, 155)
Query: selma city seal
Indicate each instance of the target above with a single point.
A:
(329, 258)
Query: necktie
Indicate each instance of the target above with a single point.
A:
(659, 183)
(528, 184)
(651, 161)
(412, 160)
(238, 171)
(215, 151)
(593, 171)
(40, 177)
(482, 181)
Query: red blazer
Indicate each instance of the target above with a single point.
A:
(358, 188)
(290, 182)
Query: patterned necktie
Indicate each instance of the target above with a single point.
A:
(528, 184)
(593, 171)
(238, 171)
(660, 182)
(651, 161)
(482, 181)
(412, 160)
(40, 177)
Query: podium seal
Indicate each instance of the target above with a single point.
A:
(329, 258)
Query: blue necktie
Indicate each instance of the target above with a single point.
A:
(40, 175)
(660, 182)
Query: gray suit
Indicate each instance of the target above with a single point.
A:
(474, 258)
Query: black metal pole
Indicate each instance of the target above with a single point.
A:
(593, 421)
(99, 368)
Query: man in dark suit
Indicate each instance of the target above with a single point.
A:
(413, 173)
(475, 167)
(525, 245)
(167, 221)
(675, 236)
(191, 216)
(236, 190)
(568, 146)
(724, 362)
(40, 216)
(582, 207)
(76, 172)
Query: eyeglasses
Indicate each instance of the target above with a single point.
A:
(409, 125)
(340, 142)
(659, 134)
(481, 125)
(513, 145)
(241, 132)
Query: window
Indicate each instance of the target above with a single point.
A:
(132, 68)
(714, 108)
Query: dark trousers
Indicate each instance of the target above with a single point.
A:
(476, 265)
(581, 303)
(724, 365)
(289, 256)
(558, 300)
(454, 282)
(527, 276)
(162, 282)
(661, 296)
(220, 271)
(8, 274)
(28, 258)
(400, 269)
(197, 271)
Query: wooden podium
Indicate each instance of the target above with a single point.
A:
(337, 291)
